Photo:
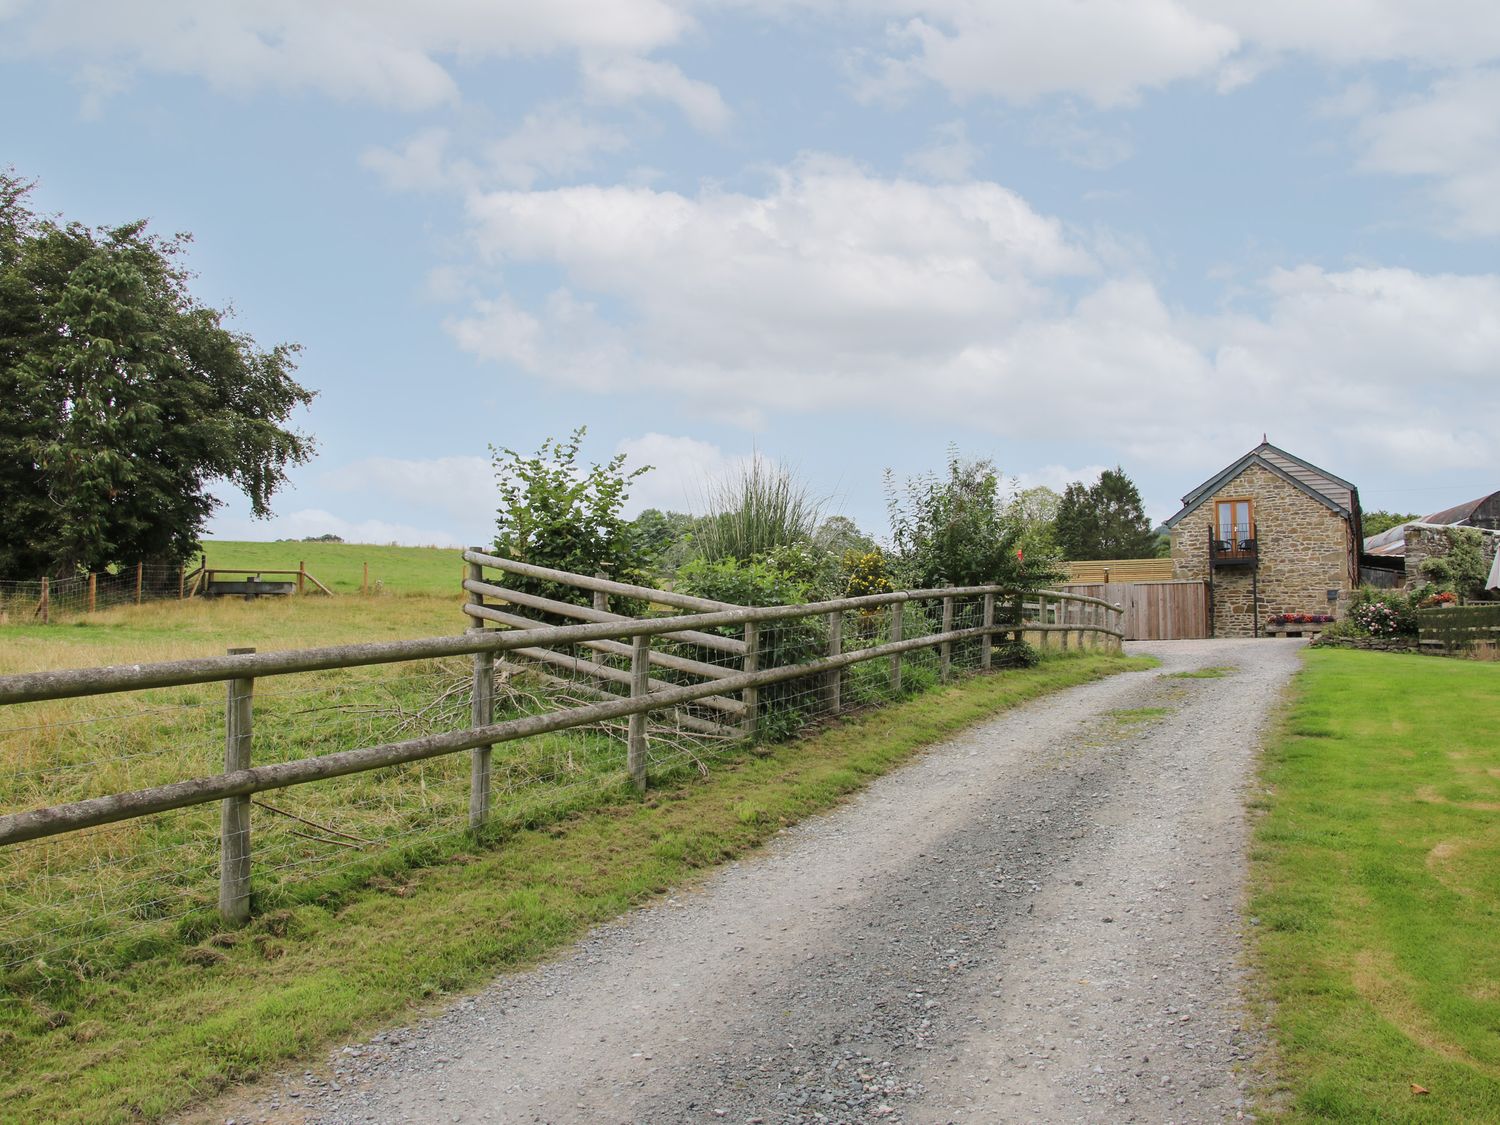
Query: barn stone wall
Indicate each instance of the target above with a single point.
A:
(1424, 543)
(1305, 549)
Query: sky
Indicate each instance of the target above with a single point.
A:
(1060, 234)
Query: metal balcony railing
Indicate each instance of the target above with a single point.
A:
(1236, 548)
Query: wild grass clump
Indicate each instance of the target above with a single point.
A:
(756, 511)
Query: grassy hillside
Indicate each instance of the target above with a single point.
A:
(340, 566)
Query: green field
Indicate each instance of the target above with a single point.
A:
(138, 1032)
(1376, 874)
(341, 566)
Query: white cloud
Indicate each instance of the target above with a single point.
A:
(1056, 477)
(1450, 135)
(1107, 51)
(839, 292)
(949, 156)
(682, 467)
(1111, 51)
(553, 141)
(1434, 33)
(418, 165)
(626, 78)
(460, 489)
(390, 52)
(1078, 143)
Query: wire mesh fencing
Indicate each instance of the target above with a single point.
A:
(45, 600)
(115, 891)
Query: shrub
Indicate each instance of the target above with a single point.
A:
(1015, 654)
(866, 573)
(953, 530)
(1383, 613)
(793, 641)
(1463, 569)
(554, 514)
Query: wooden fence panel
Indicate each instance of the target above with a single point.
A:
(1155, 611)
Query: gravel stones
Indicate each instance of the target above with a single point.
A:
(1038, 920)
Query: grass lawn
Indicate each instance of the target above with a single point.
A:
(140, 1039)
(1376, 876)
(340, 566)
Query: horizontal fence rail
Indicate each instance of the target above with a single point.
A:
(719, 672)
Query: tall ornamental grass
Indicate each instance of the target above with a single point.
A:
(762, 507)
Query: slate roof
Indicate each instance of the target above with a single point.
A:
(1333, 492)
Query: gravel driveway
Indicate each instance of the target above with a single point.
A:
(1038, 920)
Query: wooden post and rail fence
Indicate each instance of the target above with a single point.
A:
(705, 695)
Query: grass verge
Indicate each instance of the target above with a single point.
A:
(1376, 889)
(160, 1034)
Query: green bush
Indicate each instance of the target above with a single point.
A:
(781, 643)
(553, 514)
(1015, 654)
(866, 573)
(954, 530)
(1381, 613)
(1463, 569)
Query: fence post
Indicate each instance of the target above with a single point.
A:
(139, 567)
(946, 648)
(987, 620)
(898, 612)
(181, 581)
(234, 812)
(601, 603)
(1044, 638)
(364, 582)
(46, 607)
(93, 589)
(835, 648)
(751, 695)
(301, 577)
(481, 714)
(1063, 612)
(1018, 614)
(640, 686)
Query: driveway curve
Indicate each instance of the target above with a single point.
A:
(1038, 920)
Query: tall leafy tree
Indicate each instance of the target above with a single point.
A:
(1373, 523)
(125, 399)
(1105, 520)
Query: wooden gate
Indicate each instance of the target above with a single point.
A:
(1155, 611)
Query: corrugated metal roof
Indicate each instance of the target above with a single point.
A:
(1390, 542)
(1459, 513)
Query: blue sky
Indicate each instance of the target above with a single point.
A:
(1062, 235)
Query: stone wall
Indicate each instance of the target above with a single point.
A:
(1305, 550)
(1369, 644)
(1430, 542)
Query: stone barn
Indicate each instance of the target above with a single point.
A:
(1270, 535)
